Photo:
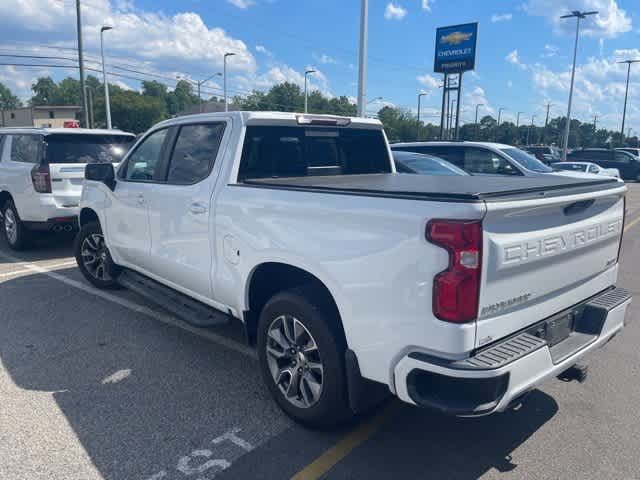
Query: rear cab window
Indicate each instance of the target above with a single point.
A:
(92, 148)
(294, 151)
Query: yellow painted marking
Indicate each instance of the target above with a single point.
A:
(344, 447)
(631, 224)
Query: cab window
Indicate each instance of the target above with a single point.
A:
(145, 159)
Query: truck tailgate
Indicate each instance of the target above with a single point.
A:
(544, 255)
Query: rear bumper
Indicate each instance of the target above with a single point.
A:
(45, 207)
(57, 224)
(496, 376)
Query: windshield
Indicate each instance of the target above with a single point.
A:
(271, 152)
(574, 167)
(93, 148)
(527, 160)
(428, 166)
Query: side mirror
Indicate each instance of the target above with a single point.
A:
(101, 172)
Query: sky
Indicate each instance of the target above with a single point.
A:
(524, 50)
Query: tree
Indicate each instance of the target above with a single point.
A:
(134, 112)
(45, 91)
(181, 98)
(7, 99)
(154, 88)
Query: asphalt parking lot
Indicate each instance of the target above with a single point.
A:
(105, 385)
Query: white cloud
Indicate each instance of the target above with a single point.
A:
(609, 23)
(264, 50)
(501, 17)
(283, 73)
(394, 12)
(512, 57)
(182, 40)
(426, 5)
(477, 96)
(244, 4)
(324, 59)
(550, 51)
(428, 81)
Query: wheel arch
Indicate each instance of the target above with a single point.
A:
(4, 196)
(270, 277)
(87, 215)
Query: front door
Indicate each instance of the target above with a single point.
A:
(127, 230)
(180, 210)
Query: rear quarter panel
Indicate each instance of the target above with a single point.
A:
(370, 252)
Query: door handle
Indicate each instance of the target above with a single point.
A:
(140, 199)
(198, 208)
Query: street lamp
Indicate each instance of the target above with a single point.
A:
(518, 125)
(199, 83)
(626, 92)
(478, 105)
(224, 75)
(529, 129)
(306, 87)
(420, 95)
(107, 105)
(579, 16)
(499, 114)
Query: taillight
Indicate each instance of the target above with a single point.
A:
(41, 178)
(456, 290)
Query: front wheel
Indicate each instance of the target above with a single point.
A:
(93, 258)
(301, 352)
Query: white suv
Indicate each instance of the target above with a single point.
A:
(41, 174)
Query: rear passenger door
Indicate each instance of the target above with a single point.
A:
(181, 209)
(625, 164)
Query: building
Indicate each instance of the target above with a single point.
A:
(48, 116)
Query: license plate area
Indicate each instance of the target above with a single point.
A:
(557, 328)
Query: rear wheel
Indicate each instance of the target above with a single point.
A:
(93, 257)
(15, 232)
(301, 354)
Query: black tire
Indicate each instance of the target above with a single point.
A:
(107, 280)
(318, 316)
(19, 237)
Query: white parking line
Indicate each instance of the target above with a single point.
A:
(156, 315)
(54, 266)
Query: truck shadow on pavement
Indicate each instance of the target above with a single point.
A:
(46, 246)
(142, 398)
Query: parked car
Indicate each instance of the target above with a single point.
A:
(627, 164)
(354, 281)
(632, 151)
(41, 175)
(409, 162)
(586, 167)
(480, 158)
(545, 153)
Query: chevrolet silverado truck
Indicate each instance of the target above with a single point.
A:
(459, 294)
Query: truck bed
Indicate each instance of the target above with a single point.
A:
(475, 188)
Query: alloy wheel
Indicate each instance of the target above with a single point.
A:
(294, 361)
(10, 225)
(94, 256)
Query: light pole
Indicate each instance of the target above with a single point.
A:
(626, 92)
(306, 87)
(579, 16)
(518, 125)
(199, 84)
(362, 61)
(499, 115)
(224, 75)
(89, 92)
(546, 122)
(107, 105)
(420, 95)
(83, 92)
(529, 129)
(478, 105)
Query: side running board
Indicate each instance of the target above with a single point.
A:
(188, 309)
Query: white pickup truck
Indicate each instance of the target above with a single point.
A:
(459, 294)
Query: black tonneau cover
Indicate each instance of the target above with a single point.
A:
(441, 188)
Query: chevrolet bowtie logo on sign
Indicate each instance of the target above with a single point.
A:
(456, 48)
(456, 38)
